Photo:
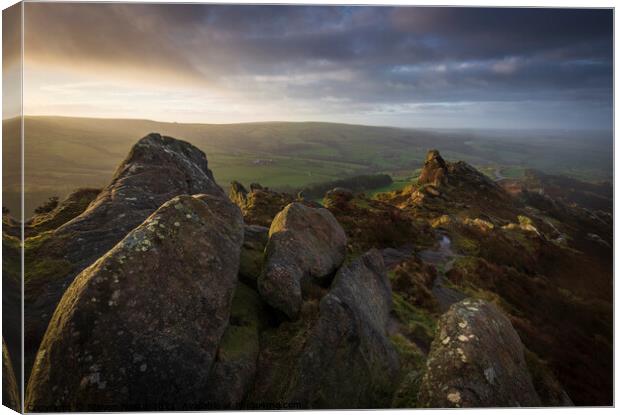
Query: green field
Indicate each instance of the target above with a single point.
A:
(62, 154)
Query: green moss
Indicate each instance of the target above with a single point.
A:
(11, 258)
(418, 322)
(466, 264)
(40, 266)
(41, 271)
(465, 245)
(412, 367)
(35, 242)
(240, 340)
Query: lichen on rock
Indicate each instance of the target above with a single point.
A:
(140, 328)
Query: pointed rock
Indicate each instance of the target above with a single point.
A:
(140, 328)
(260, 205)
(156, 169)
(435, 169)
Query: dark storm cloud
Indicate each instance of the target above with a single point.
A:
(366, 55)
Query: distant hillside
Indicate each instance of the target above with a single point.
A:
(62, 154)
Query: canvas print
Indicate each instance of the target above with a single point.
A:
(306, 207)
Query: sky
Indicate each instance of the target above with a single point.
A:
(399, 66)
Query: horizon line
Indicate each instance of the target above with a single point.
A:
(612, 130)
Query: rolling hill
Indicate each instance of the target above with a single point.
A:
(62, 153)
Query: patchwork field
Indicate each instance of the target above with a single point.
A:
(62, 154)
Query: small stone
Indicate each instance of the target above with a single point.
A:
(454, 397)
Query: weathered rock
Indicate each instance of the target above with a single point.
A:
(434, 170)
(10, 390)
(340, 358)
(305, 244)
(337, 197)
(233, 371)
(260, 205)
(139, 329)
(73, 205)
(156, 169)
(476, 360)
(252, 252)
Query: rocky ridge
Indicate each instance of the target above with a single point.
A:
(292, 303)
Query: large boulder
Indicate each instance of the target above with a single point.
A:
(140, 328)
(476, 360)
(305, 245)
(252, 253)
(339, 357)
(156, 169)
(10, 390)
(260, 205)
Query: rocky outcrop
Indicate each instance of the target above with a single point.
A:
(260, 205)
(476, 360)
(73, 205)
(234, 369)
(156, 169)
(305, 245)
(10, 390)
(337, 197)
(140, 328)
(252, 252)
(339, 357)
(435, 169)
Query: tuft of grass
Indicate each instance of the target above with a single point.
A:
(419, 323)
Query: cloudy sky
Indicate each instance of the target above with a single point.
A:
(407, 66)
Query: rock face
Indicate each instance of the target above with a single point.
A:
(305, 244)
(156, 169)
(260, 205)
(476, 360)
(252, 253)
(10, 390)
(435, 169)
(342, 358)
(140, 328)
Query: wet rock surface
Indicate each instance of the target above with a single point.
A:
(156, 169)
(140, 328)
(339, 357)
(476, 360)
(306, 245)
